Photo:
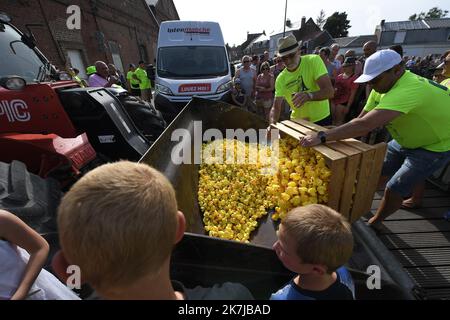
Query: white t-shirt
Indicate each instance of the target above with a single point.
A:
(12, 266)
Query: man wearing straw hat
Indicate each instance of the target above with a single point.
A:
(304, 84)
(416, 112)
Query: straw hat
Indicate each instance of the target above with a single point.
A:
(287, 45)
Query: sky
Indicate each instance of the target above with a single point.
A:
(237, 17)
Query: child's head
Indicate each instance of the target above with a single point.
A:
(314, 238)
(119, 224)
(237, 83)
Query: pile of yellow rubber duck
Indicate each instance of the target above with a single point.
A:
(238, 184)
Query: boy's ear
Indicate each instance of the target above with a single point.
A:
(181, 228)
(319, 269)
(60, 265)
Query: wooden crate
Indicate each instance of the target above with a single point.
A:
(355, 168)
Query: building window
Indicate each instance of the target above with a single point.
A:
(76, 61)
(400, 37)
(115, 53)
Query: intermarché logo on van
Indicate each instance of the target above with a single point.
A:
(190, 30)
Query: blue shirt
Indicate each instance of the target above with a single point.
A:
(342, 289)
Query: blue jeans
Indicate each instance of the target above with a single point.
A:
(409, 167)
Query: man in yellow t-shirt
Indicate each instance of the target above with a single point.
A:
(304, 84)
(446, 71)
(416, 112)
(144, 82)
(133, 84)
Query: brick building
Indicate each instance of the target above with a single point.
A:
(115, 31)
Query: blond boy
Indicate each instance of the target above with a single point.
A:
(315, 242)
(119, 224)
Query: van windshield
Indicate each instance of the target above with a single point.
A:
(192, 62)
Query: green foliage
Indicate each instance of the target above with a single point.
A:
(337, 25)
(321, 19)
(433, 13)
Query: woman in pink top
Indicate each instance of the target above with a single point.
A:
(265, 85)
(345, 91)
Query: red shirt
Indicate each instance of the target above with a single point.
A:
(344, 87)
(264, 82)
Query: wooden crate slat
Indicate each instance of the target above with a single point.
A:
(335, 161)
(363, 178)
(309, 125)
(297, 127)
(354, 165)
(287, 130)
(358, 145)
(380, 152)
(336, 183)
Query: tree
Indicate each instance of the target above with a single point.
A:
(433, 13)
(337, 25)
(321, 19)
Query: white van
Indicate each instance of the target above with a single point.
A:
(192, 60)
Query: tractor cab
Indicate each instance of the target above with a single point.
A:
(54, 126)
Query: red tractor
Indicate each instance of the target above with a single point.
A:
(57, 128)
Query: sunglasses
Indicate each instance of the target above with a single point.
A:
(265, 69)
(378, 78)
(289, 56)
(246, 61)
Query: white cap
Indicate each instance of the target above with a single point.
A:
(378, 63)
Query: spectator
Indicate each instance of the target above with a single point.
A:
(151, 74)
(333, 56)
(345, 91)
(247, 75)
(23, 253)
(304, 84)
(101, 76)
(144, 82)
(438, 75)
(238, 94)
(116, 73)
(276, 69)
(119, 224)
(265, 84)
(315, 242)
(411, 63)
(303, 50)
(133, 84)
(397, 48)
(369, 48)
(446, 71)
(74, 72)
(421, 143)
(90, 70)
(324, 53)
(255, 63)
(358, 65)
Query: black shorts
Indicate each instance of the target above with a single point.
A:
(328, 121)
(136, 92)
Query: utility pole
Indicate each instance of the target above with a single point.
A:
(284, 24)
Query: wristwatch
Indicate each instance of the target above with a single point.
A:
(322, 136)
(311, 96)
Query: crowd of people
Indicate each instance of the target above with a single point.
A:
(138, 80)
(254, 89)
(414, 110)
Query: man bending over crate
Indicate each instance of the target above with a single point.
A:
(416, 111)
(304, 84)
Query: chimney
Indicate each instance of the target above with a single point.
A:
(383, 22)
(303, 22)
